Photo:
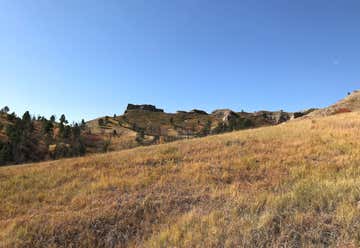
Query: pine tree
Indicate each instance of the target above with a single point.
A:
(83, 124)
(5, 153)
(63, 119)
(5, 110)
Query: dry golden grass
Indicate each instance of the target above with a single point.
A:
(292, 185)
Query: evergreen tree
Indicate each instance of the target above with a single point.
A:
(67, 132)
(21, 140)
(5, 110)
(206, 129)
(48, 131)
(83, 124)
(11, 117)
(5, 153)
(63, 119)
(26, 117)
(77, 145)
(61, 130)
(76, 131)
(47, 127)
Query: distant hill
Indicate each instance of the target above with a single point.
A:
(37, 139)
(145, 124)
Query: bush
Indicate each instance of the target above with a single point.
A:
(206, 129)
(140, 136)
(106, 146)
(342, 110)
(61, 150)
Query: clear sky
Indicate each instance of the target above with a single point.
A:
(89, 58)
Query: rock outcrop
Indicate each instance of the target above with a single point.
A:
(198, 111)
(145, 107)
(274, 117)
(302, 113)
(277, 117)
(226, 115)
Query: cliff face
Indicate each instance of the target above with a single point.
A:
(145, 107)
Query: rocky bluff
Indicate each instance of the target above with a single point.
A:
(145, 107)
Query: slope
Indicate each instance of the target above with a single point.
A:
(291, 185)
(350, 103)
(147, 125)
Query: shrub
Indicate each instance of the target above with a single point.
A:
(106, 146)
(140, 136)
(342, 110)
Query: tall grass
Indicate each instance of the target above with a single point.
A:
(293, 185)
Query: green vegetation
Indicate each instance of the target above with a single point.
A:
(28, 139)
(5, 110)
(233, 125)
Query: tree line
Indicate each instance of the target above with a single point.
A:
(31, 139)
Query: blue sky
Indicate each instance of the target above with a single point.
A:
(90, 58)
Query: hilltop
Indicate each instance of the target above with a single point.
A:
(290, 185)
(351, 103)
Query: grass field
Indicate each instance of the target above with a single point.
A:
(291, 185)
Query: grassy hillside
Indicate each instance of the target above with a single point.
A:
(291, 185)
(111, 133)
(350, 103)
(138, 127)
